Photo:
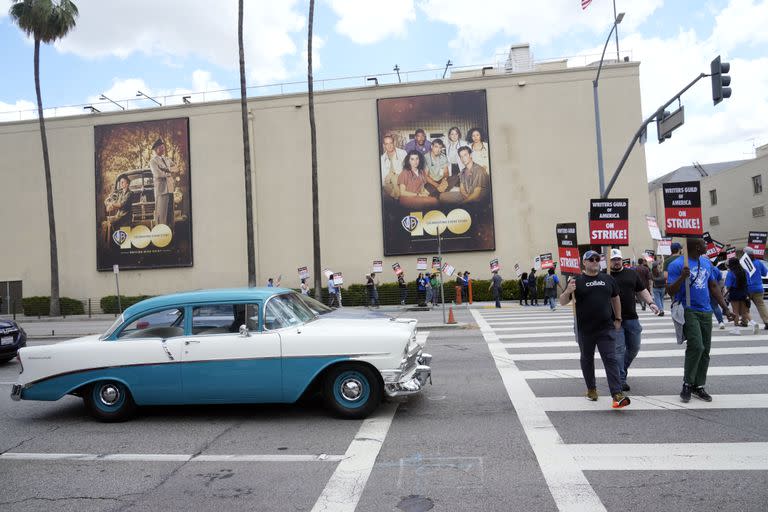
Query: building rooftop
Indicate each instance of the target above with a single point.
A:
(694, 172)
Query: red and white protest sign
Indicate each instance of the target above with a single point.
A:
(397, 269)
(495, 265)
(303, 273)
(730, 252)
(653, 227)
(421, 263)
(609, 221)
(714, 248)
(682, 208)
(546, 261)
(567, 248)
(664, 247)
(378, 266)
(757, 241)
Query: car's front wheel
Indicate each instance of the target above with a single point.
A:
(352, 391)
(109, 401)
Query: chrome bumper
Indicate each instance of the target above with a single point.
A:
(413, 381)
(16, 392)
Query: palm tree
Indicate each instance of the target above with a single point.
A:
(246, 152)
(46, 21)
(313, 145)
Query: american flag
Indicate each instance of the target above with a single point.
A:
(585, 3)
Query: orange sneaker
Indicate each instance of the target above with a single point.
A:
(620, 401)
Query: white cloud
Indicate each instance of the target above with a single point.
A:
(741, 23)
(317, 43)
(366, 21)
(180, 29)
(18, 111)
(522, 21)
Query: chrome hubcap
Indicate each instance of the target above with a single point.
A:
(351, 389)
(109, 394)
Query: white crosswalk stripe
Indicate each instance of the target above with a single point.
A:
(528, 334)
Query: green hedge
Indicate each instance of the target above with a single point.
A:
(109, 303)
(41, 306)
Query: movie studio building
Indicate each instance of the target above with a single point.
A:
(496, 158)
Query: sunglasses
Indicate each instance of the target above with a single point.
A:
(593, 259)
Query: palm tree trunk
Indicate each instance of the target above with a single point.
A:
(246, 153)
(316, 268)
(55, 310)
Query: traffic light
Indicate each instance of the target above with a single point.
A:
(720, 81)
(662, 135)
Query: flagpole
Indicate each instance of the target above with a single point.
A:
(618, 58)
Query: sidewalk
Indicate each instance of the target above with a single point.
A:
(58, 328)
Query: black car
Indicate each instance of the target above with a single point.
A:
(12, 338)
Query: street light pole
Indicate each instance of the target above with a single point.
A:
(598, 134)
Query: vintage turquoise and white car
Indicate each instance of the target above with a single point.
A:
(249, 345)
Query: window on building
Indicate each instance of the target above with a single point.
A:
(713, 197)
(757, 184)
(759, 211)
(714, 221)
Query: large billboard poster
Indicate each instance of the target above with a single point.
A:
(143, 195)
(435, 170)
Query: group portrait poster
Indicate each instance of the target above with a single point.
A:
(143, 195)
(435, 171)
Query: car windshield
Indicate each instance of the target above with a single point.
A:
(286, 310)
(117, 323)
(316, 306)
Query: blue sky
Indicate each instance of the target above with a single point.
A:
(178, 47)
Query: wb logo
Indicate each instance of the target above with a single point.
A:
(119, 237)
(410, 223)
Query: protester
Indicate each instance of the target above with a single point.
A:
(465, 286)
(755, 286)
(421, 289)
(459, 286)
(551, 282)
(598, 314)
(524, 288)
(627, 335)
(371, 289)
(698, 315)
(737, 283)
(644, 273)
(333, 294)
(304, 287)
(428, 288)
(532, 292)
(436, 286)
(659, 286)
(713, 302)
(403, 288)
(496, 287)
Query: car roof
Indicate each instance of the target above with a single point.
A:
(199, 296)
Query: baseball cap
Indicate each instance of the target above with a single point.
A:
(616, 253)
(749, 250)
(676, 246)
(590, 254)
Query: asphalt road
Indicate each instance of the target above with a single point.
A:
(503, 427)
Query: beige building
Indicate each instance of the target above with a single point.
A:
(542, 146)
(734, 198)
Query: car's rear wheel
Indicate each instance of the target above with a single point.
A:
(109, 401)
(352, 391)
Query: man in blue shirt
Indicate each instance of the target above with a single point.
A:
(755, 285)
(698, 315)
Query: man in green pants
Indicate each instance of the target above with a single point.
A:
(698, 315)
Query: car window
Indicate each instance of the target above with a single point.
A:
(158, 324)
(286, 310)
(224, 318)
(316, 306)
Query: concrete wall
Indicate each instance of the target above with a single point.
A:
(544, 171)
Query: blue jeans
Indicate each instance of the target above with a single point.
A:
(716, 310)
(658, 298)
(627, 345)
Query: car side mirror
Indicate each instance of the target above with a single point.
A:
(244, 331)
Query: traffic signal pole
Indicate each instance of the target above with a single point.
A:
(657, 114)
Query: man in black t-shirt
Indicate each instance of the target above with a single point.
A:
(373, 293)
(628, 335)
(598, 314)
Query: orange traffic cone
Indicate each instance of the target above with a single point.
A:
(451, 320)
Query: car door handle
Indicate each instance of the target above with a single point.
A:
(188, 342)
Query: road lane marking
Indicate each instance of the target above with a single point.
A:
(346, 485)
(646, 341)
(672, 457)
(569, 487)
(678, 352)
(657, 402)
(168, 457)
(650, 372)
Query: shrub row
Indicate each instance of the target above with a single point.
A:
(41, 306)
(109, 303)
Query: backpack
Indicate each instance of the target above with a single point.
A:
(549, 282)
